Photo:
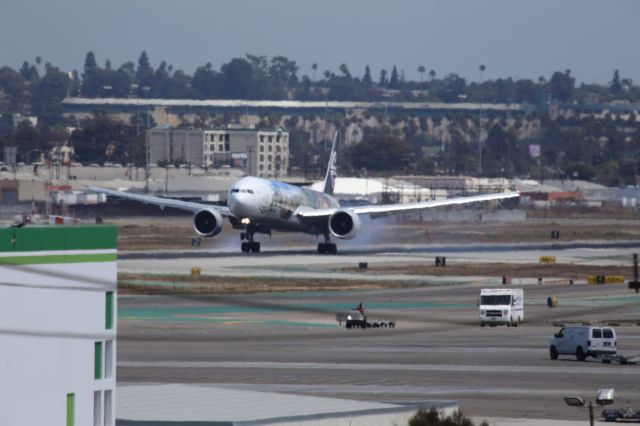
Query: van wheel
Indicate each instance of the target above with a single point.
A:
(580, 355)
(553, 352)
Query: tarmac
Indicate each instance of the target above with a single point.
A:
(291, 343)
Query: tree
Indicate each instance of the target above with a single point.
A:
(314, 68)
(562, 86)
(383, 78)
(237, 77)
(13, 84)
(144, 73)
(421, 70)
(432, 74)
(616, 86)
(27, 139)
(283, 74)
(48, 95)
(91, 79)
(435, 418)
(394, 79)
(345, 71)
(366, 79)
(380, 150)
(29, 72)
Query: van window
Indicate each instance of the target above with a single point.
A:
(596, 333)
(495, 300)
(607, 333)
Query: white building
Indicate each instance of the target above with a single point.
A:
(58, 325)
(259, 152)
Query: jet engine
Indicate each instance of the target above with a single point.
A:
(207, 223)
(344, 224)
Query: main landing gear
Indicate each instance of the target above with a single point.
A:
(249, 246)
(327, 247)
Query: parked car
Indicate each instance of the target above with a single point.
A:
(583, 341)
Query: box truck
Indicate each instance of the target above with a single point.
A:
(501, 306)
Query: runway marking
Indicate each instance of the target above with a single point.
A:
(590, 368)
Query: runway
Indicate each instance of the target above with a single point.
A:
(291, 343)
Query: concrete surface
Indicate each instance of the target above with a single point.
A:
(290, 342)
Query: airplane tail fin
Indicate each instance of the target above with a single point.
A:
(330, 178)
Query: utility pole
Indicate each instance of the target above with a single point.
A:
(481, 68)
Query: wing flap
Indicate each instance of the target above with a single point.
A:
(163, 202)
(375, 211)
(386, 210)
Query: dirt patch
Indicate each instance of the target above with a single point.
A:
(206, 284)
(517, 270)
(173, 233)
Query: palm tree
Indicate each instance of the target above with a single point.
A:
(421, 70)
(314, 67)
(432, 74)
(481, 68)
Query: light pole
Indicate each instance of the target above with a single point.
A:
(147, 140)
(481, 68)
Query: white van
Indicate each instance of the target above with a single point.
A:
(501, 306)
(583, 341)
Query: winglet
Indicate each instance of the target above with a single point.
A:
(330, 178)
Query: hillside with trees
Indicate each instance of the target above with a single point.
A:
(603, 148)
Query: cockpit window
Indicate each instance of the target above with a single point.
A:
(247, 191)
(235, 190)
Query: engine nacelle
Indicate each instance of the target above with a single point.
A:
(207, 223)
(344, 224)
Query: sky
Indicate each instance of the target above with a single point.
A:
(512, 38)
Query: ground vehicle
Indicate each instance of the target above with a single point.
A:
(501, 306)
(357, 319)
(583, 341)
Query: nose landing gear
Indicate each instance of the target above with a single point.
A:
(249, 246)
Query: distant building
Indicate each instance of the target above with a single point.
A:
(259, 152)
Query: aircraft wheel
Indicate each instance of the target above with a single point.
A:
(244, 247)
(255, 247)
(322, 249)
(332, 249)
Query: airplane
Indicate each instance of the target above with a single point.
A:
(259, 206)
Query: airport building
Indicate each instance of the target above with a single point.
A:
(259, 152)
(58, 325)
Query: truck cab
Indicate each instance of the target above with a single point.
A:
(498, 306)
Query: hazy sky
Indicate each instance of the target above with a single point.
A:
(515, 38)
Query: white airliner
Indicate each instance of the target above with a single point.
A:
(257, 205)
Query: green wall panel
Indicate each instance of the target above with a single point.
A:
(71, 403)
(109, 311)
(58, 237)
(97, 362)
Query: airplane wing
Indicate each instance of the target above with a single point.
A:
(163, 202)
(375, 211)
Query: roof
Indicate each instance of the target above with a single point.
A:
(366, 186)
(203, 405)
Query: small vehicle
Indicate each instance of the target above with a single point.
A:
(357, 319)
(622, 414)
(501, 306)
(583, 341)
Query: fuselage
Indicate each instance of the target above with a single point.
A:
(273, 203)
